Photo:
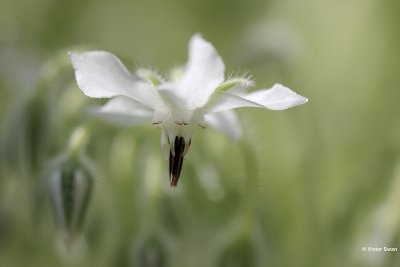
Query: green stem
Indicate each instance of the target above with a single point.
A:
(77, 141)
(250, 202)
(151, 191)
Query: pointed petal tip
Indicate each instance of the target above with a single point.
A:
(197, 35)
(72, 55)
(72, 52)
(300, 100)
(75, 55)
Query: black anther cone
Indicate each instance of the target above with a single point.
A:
(176, 162)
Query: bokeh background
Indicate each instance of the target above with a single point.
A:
(308, 186)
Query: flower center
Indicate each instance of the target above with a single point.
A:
(178, 127)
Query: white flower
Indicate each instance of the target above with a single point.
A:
(197, 95)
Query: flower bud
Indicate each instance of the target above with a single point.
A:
(240, 253)
(149, 252)
(70, 185)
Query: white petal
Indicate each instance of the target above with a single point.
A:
(125, 111)
(167, 92)
(181, 115)
(160, 115)
(222, 101)
(227, 122)
(100, 74)
(278, 97)
(203, 73)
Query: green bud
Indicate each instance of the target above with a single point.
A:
(149, 252)
(70, 185)
(240, 253)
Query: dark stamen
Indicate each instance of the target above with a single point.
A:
(176, 161)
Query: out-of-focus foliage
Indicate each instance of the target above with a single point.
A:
(309, 186)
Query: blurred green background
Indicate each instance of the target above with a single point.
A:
(308, 186)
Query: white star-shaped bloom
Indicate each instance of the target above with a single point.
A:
(197, 95)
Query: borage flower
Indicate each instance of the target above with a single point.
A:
(196, 95)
